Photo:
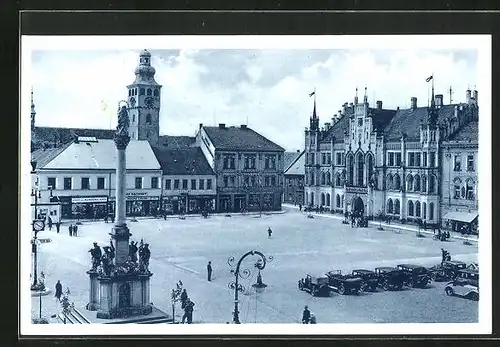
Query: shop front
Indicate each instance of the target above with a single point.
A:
(463, 222)
(224, 203)
(170, 205)
(200, 203)
(89, 207)
(239, 202)
(141, 205)
(268, 201)
(253, 202)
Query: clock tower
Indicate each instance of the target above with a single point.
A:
(144, 102)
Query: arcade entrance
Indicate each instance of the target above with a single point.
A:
(358, 207)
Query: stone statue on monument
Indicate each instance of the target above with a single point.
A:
(106, 261)
(123, 121)
(96, 254)
(144, 255)
(132, 250)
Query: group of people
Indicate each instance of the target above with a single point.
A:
(73, 230)
(311, 208)
(186, 303)
(442, 235)
(50, 224)
(445, 255)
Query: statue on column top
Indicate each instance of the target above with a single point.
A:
(123, 121)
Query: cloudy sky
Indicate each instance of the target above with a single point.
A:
(268, 88)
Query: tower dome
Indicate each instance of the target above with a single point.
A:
(144, 72)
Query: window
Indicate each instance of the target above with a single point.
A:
(201, 184)
(409, 182)
(85, 183)
(229, 161)
(168, 184)
(148, 118)
(470, 162)
(154, 182)
(417, 209)
(370, 168)
(273, 181)
(360, 170)
(432, 159)
(226, 181)
(411, 159)
(176, 184)
(390, 159)
(322, 199)
(141, 91)
(457, 165)
(417, 159)
(456, 190)
(398, 159)
(424, 183)
(337, 200)
(232, 181)
(249, 161)
(157, 92)
(328, 180)
(338, 158)
(397, 182)
(253, 181)
(396, 206)
(389, 183)
(209, 183)
(328, 160)
(410, 208)
(312, 179)
(323, 158)
(184, 184)
(469, 186)
(149, 92)
(416, 183)
(338, 181)
(133, 118)
(51, 182)
(327, 199)
(432, 184)
(138, 183)
(350, 170)
(100, 182)
(424, 159)
(323, 179)
(360, 122)
(266, 181)
(193, 184)
(67, 183)
(390, 206)
(270, 162)
(431, 211)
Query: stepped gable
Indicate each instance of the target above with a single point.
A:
(469, 132)
(337, 130)
(182, 161)
(409, 120)
(239, 139)
(177, 142)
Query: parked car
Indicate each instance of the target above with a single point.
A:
(315, 285)
(390, 278)
(469, 275)
(447, 271)
(417, 276)
(369, 278)
(473, 266)
(344, 284)
(463, 287)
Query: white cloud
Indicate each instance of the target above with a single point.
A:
(72, 87)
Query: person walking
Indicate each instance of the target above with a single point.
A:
(209, 271)
(306, 315)
(189, 310)
(184, 297)
(58, 290)
(75, 230)
(58, 226)
(269, 232)
(70, 228)
(49, 221)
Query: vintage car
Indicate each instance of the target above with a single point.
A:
(315, 285)
(447, 271)
(344, 284)
(473, 266)
(417, 276)
(390, 278)
(469, 275)
(463, 287)
(369, 278)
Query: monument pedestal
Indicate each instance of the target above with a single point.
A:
(93, 304)
(124, 296)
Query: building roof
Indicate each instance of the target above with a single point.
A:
(381, 118)
(409, 120)
(239, 139)
(176, 142)
(43, 156)
(102, 155)
(469, 132)
(58, 136)
(289, 158)
(297, 167)
(184, 161)
(337, 130)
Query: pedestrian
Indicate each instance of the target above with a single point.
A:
(209, 271)
(75, 230)
(300, 207)
(70, 228)
(58, 225)
(105, 218)
(184, 297)
(58, 290)
(188, 312)
(49, 221)
(112, 218)
(269, 233)
(306, 316)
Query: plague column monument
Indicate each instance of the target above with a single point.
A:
(119, 279)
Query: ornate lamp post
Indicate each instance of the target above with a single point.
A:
(245, 273)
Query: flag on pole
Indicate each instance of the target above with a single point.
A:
(429, 78)
(311, 94)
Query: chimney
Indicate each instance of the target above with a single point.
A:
(33, 166)
(201, 125)
(413, 103)
(243, 126)
(475, 96)
(327, 126)
(340, 114)
(379, 105)
(439, 100)
(222, 126)
(298, 151)
(356, 100)
(467, 97)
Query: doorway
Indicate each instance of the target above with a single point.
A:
(358, 207)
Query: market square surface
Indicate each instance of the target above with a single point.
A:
(181, 248)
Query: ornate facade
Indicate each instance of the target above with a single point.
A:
(374, 161)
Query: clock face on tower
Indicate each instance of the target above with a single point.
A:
(132, 101)
(149, 101)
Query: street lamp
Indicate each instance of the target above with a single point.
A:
(37, 226)
(245, 273)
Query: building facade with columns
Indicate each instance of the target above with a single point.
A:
(372, 161)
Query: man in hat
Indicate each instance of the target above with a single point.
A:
(209, 271)
(306, 315)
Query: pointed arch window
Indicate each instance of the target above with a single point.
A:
(342, 200)
(424, 183)
(390, 206)
(409, 183)
(457, 183)
(369, 166)
(432, 184)
(417, 208)
(322, 199)
(424, 210)
(327, 199)
(416, 183)
(328, 179)
(410, 208)
(350, 169)
(396, 206)
(389, 182)
(323, 179)
(469, 189)
(312, 198)
(312, 179)
(360, 170)
(397, 182)
(338, 182)
(431, 210)
(337, 200)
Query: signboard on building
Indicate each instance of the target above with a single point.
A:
(359, 190)
(89, 199)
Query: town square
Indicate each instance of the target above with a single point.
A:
(231, 187)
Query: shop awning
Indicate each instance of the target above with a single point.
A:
(461, 216)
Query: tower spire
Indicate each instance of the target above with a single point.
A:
(433, 102)
(314, 121)
(366, 95)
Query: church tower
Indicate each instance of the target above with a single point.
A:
(144, 102)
